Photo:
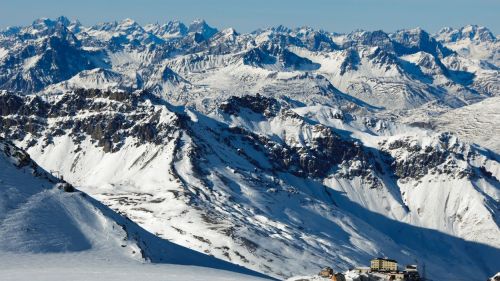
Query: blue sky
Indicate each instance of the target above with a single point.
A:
(247, 15)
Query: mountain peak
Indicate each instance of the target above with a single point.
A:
(63, 20)
(171, 29)
(477, 33)
(176, 25)
(201, 26)
(281, 29)
(48, 22)
(43, 23)
(229, 32)
(470, 32)
(128, 22)
(410, 41)
(198, 22)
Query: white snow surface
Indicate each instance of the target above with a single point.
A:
(48, 234)
(83, 267)
(476, 123)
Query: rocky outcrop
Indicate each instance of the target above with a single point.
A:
(268, 107)
(107, 118)
(324, 153)
(410, 160)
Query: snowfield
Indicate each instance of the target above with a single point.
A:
(49, 234)
(477, 123)
(83, 267)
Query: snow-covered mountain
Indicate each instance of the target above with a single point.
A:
(261, 180)
(473, 41)
(405, 69)
(282, 150)
(477, 122)
(46, 223)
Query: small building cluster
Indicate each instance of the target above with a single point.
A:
(389, 269)
(411, 273)
(382, 267)
(328, 272)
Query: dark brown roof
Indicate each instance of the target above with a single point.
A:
(384, 259)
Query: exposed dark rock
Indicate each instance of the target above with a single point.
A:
(322, 155)
(412, 41)
(351, 61)
(269, 107)
(420, 161)
(104, 116)
(66, 187)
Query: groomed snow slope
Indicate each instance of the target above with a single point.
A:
(80, 267)
(49, 234)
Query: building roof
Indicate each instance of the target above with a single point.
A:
(385, 259)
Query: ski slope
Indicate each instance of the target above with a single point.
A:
(49, 234)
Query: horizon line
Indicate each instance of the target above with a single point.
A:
(186, 23)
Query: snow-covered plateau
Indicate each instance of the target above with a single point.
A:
(282, 150)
